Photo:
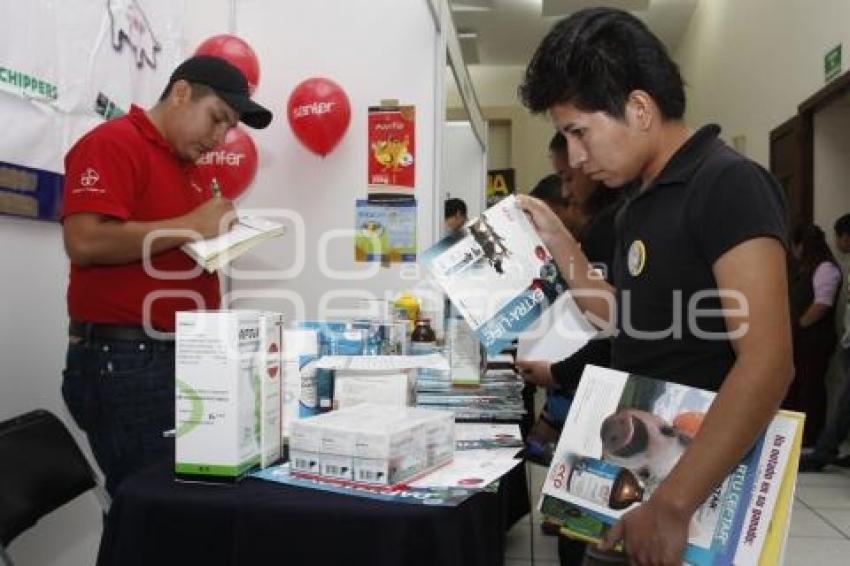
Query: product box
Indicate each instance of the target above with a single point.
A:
(300, 395)
(372, 444)
(227, 392)
(269, 366)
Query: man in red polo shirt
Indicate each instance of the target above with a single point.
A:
(132, 198)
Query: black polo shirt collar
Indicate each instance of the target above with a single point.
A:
(684, 163)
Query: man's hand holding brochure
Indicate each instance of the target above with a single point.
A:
(625, 433)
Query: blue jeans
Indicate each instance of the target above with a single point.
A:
(836, 430)
(121, 393)
(556, 408)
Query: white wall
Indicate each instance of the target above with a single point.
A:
(496, 87)
(355, 44)
(464, 167)
(831, 166)
(33, 338)
(749, 63)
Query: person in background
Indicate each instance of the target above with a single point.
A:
(587, 210)
(558, 156)
(814, 289)
(706, 225)
(550, 189)
(131, 182)
(455, 215)
(588, 213)
(835, 431)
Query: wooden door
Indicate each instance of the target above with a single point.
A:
(787, 163)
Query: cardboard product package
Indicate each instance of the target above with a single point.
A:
(372, 444)
(228, 390)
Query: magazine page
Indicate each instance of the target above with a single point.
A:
(497, 273)
(440, 496)
(776, 524)
(623, 436)
(559, 333)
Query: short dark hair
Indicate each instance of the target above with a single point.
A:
(842, 225)
(594, 59)
(455, 206)
(548, 189)
(199, 90)
(558, 143)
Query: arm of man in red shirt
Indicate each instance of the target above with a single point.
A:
(97, 239)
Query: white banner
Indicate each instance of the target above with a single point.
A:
(65, 66)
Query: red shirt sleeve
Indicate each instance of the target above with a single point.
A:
(100, 176)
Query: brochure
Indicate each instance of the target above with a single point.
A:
(624, 434)
(439, 496)
(497, 273)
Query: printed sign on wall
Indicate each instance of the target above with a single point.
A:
(392, 151)
(385, 232)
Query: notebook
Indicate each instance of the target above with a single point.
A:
(249, 231)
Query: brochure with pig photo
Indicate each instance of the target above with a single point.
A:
(625, 433)
(500, 276)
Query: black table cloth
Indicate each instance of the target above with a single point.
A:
(157, 521)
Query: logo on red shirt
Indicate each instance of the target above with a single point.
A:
(89, 177)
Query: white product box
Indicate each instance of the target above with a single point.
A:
(270, 364)
(304, 462)
(300, 351)
(391, 387)
(375, 444)
(227, 392)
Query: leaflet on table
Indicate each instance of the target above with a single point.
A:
(497, 273)
(472, 468)
(625, 433)
(440, 496)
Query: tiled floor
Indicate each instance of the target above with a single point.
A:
(820, 524)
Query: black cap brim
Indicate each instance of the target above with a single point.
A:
(250, 113)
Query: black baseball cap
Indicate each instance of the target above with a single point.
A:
(229, 84)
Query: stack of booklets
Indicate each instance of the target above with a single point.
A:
(625, 433)
(497, 396)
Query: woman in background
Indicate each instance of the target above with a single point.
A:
(814, 286)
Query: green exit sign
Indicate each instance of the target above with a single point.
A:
(832, 63)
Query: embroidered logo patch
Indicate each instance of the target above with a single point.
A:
(637, 258)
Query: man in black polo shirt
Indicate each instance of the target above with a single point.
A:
(704, 232)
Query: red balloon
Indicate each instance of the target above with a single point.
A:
(235, 51)
(319, 114)
(233, 164)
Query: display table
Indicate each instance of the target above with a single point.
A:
(155, 520)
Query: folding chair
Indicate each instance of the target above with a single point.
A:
(41, 469)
